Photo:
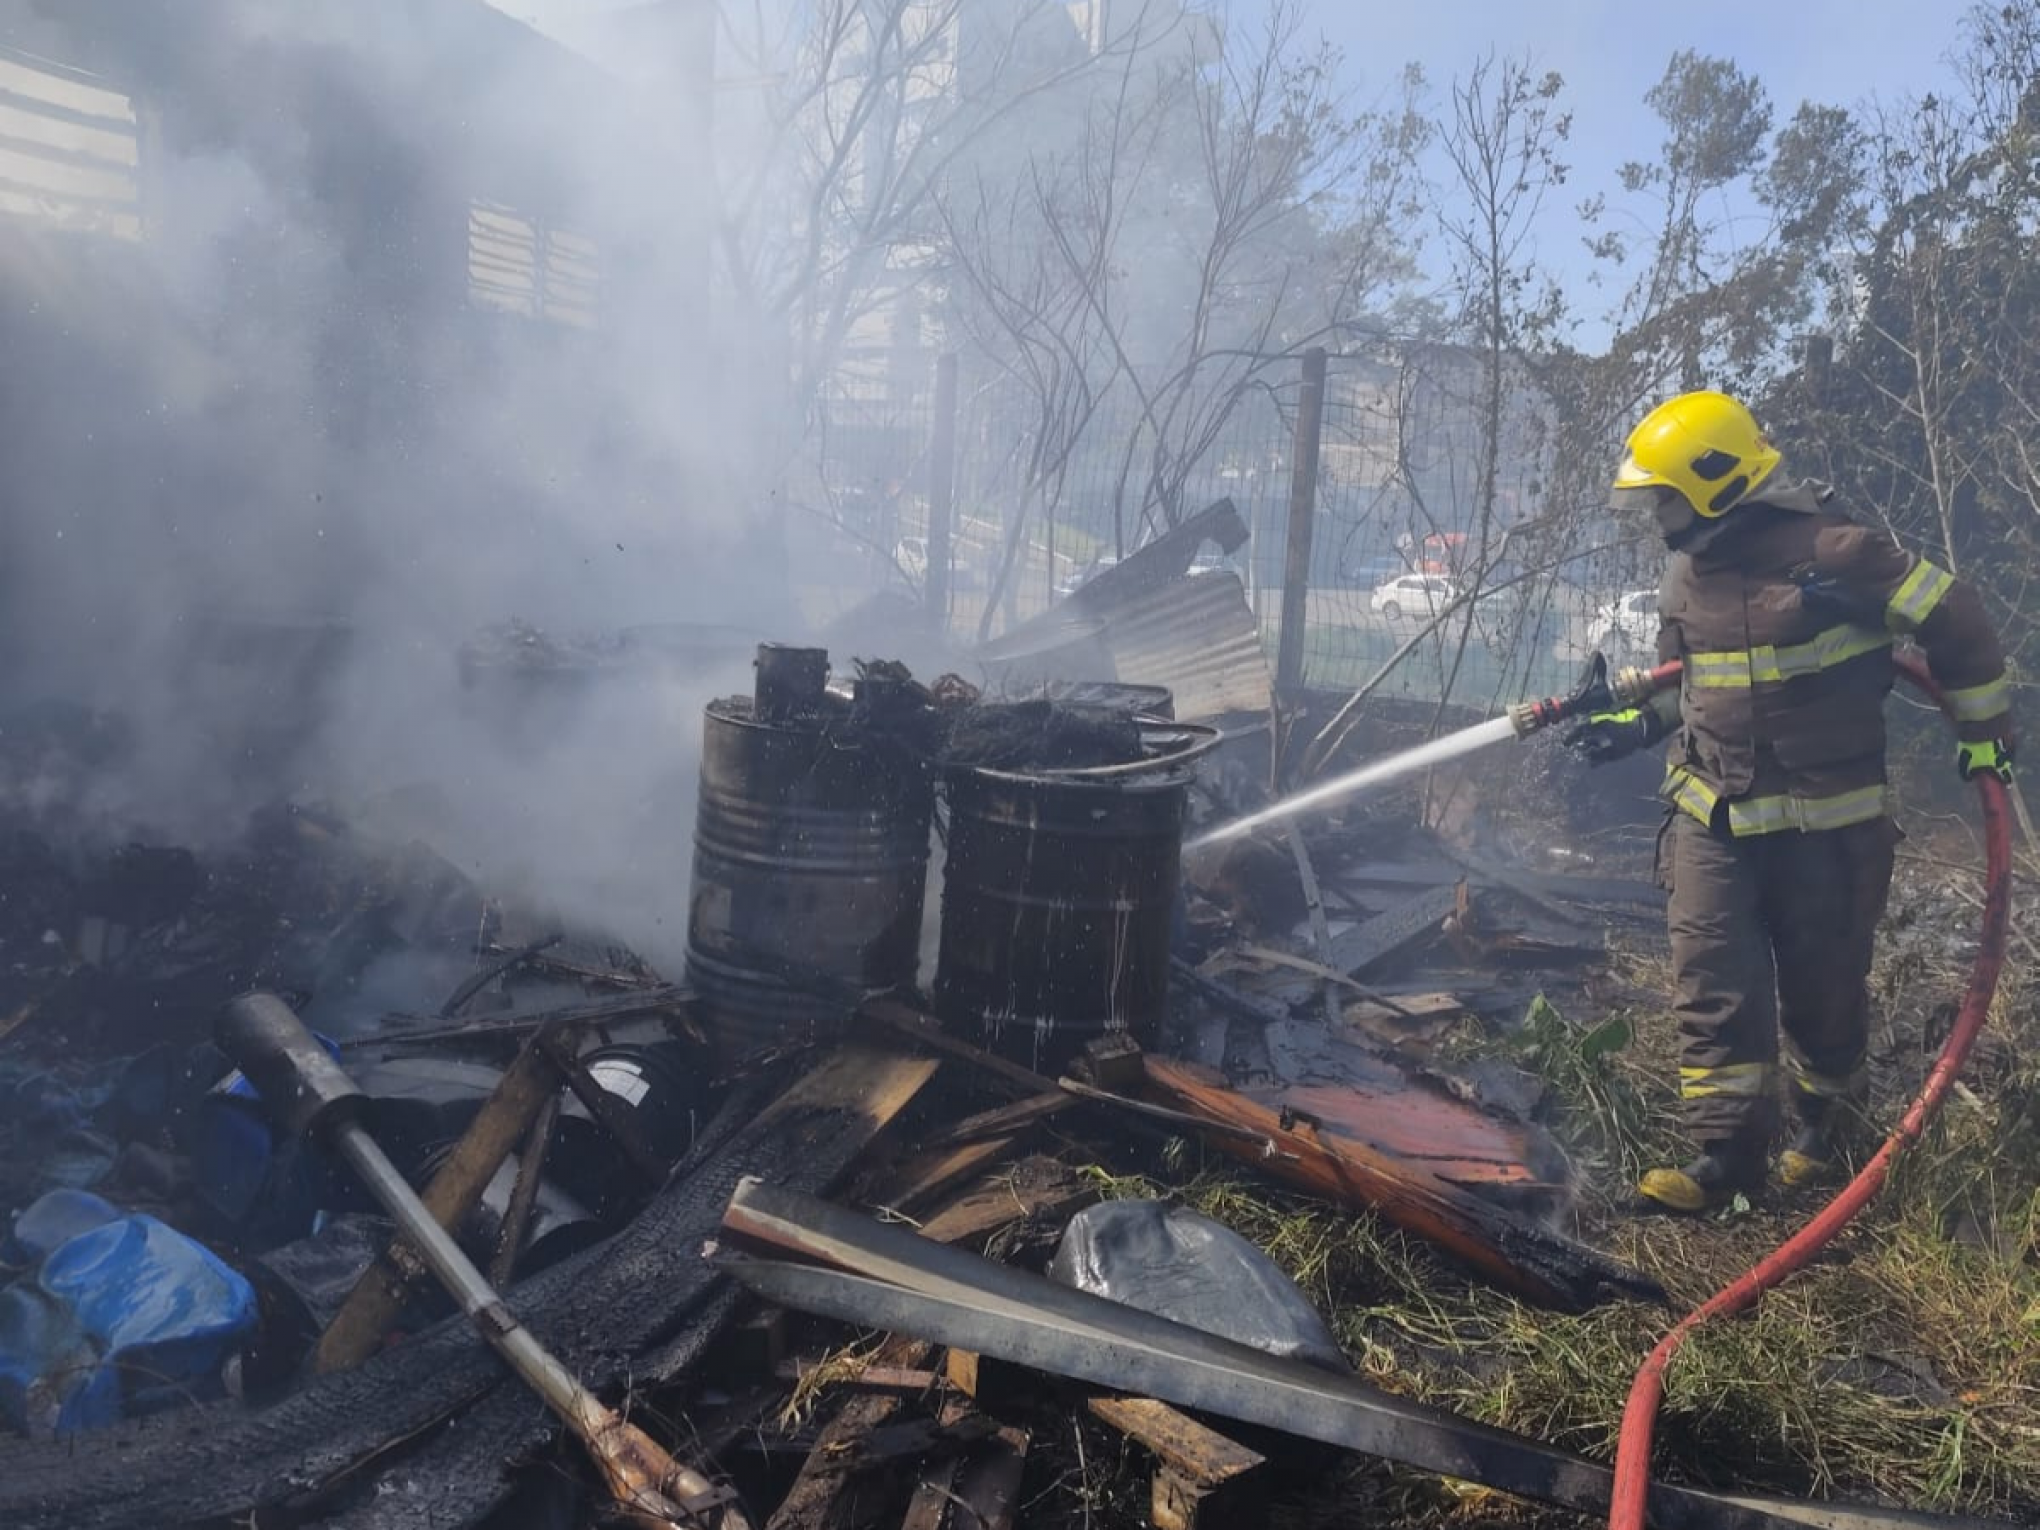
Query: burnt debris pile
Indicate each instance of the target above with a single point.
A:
(948, 965)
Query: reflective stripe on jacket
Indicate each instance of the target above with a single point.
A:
(1781, 708)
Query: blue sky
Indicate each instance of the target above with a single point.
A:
(1832, 51)
(1610, 52)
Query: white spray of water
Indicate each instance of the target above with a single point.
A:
(1379, 773)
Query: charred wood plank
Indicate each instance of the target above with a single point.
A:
(988, 1484)
(1004, 1119)
(1054, 1196)
(1520, 1255)
(363, 1320)
(1388, 933)
(663, 1000)
(925, 1029)
(981, 1491)
(811, 1503)
(928, 1175)
(1202, 1480)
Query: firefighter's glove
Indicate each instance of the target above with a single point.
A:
(1608, 736)
(1991, 754)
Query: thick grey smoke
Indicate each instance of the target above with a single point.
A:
(267, 468)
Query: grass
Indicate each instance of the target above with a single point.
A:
(1904, 1366)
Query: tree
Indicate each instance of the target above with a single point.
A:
(1925, 412)
(1212, 209)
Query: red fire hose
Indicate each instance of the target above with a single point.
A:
(1632, 1460)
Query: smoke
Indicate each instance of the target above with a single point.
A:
(270, 467)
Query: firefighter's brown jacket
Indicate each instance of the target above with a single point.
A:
(1784, 622)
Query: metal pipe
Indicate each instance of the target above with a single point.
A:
(300, 1083)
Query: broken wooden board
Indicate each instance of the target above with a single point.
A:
(1202, 1480)
(1380, 1107)
(1416, 1019)
(1420, 916)
(1003, 1120)
(1517, 1254)
(927, 1176)
(966, 1219)
(1033, 1190)
(823, 1493)
(904, 1020)
(988, 1482)
(979, 1490)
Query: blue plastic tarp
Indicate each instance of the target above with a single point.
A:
(124, 1317)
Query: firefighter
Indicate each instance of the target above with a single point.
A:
(1778, 840)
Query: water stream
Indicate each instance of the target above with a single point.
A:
(1369, 776)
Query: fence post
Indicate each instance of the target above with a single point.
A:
(1303, 485)
(941, 491)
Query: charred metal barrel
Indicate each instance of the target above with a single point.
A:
(810, 866)
(1056, 907)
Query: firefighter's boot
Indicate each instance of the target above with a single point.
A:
(1816, 1153)
(1710, 1181)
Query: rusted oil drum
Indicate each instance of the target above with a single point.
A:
(1056, 908)
(810, 866)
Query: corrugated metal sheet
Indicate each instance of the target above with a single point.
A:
(1198, 637)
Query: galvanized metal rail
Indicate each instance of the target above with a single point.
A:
(860, 1271)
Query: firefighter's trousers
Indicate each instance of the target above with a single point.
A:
(1770, 931)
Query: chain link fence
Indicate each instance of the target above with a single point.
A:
(1411, 511)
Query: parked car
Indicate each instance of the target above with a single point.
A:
(1414, 595)
(911, 554)
(1626, 628)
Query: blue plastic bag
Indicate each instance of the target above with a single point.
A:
(124, 1318)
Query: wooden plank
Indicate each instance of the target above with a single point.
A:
(1633, 894)
(1270, 956)
(988, 1485)
(1203, 1480)
(927, 1175)
(1519, 1255)
(1005, 1119)
(506, 1117)
(823, 1494)
(1387, 933)
(904, 1020)
(1411, 1010)
(933, 1497)
(877, 1082)
(1417, 1017)
(873, 1378)
(1050, 1193)
(1176, 1439)
(401, 1028)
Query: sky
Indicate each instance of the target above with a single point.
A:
(1836, 52)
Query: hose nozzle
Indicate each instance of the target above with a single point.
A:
(1598, 691)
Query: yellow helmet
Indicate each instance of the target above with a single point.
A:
(1705, 446)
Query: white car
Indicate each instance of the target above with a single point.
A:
(1626, 629)
(1421, 595)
